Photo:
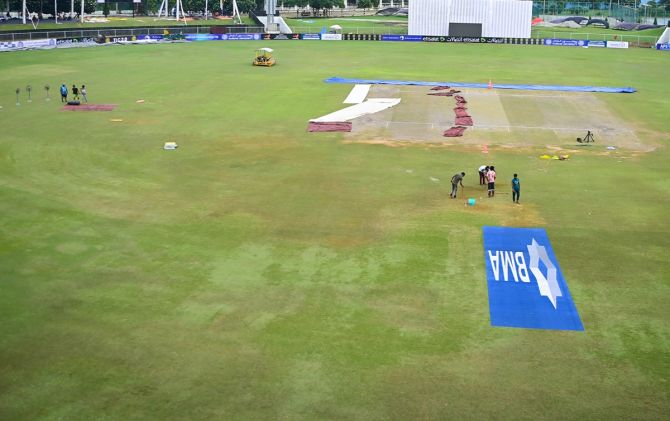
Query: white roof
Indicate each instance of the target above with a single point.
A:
(266, 49)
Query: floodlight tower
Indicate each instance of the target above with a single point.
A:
(179, 10)
(164, 8)
(236, 11)
(270, 10)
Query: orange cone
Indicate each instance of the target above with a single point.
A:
(490, 84)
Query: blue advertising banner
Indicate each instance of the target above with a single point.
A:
(526, 286)
(316, 37)
(19, 45)
(409, 38)
(663, 46)
(240, 37)
(557, 42)
(154, 37)
(599, 44)
(202, 37)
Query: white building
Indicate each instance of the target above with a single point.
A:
(471, 18)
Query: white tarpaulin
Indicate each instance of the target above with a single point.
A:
(358, 94)
(371, 106)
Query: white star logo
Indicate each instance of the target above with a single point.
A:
(548, 285)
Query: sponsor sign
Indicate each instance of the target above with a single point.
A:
(202, 37)
(310, 36)
(663, 46)
(155, 37)
(434, 39)
(406, 38)
(240, 37)
(19, 45)
(617, 44)
(599, 44)
(121, 39)
(280, 36)
(331, 37)
(75, 41)
(476, 40)
(7, 46)
(526, 286)
(558, 42)
(362, 37)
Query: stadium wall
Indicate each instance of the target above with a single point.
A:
(487, 18)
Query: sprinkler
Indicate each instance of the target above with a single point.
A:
(29, 89)
(46, 88)
(18, 91)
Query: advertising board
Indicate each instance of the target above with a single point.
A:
(331, 37)
(617, 44)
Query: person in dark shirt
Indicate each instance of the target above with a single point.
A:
(482, 174)
(455, 181)
(516, 189)
(75, 92)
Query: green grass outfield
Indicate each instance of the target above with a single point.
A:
(262, 272)
(351, 25)
(649, 36)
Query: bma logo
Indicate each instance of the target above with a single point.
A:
(525, 283)
(515, 262)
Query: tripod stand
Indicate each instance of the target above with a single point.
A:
(587, 139)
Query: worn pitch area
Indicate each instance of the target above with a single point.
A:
(517, 118)
(89, 107)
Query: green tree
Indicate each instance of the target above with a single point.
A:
(246, 6)
(315, 4)
(365, 4)
(299, 3)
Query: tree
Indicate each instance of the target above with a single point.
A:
(246, 6)
(365, 4)
(299, 3)
(315, 4)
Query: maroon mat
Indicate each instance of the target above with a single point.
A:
(439, 88)
(461, 113)
(450, 93)
(338, 126)
(89, 107)
(454, 132)
(463, 121)
(460, 100)
(460, 107)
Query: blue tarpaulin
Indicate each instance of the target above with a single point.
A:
(526, 286)
(625, 90)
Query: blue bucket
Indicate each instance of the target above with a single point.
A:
(471, 202)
